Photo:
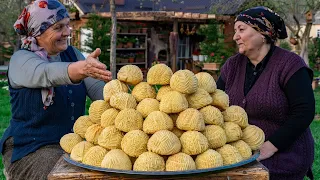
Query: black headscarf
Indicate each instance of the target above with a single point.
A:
(265, 21)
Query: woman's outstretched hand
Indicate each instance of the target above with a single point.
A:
(91, 67)
(95, 69)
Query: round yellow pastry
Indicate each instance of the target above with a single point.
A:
(148, 105)
(113, 87)
(212, 115)
(233, 131)
(96, 109)
(162, 91)
(194, 143)
(184, 81)
(237, 115)
(116, 159)
(230, 154)
(190, 120)
(128, 120)
(134, 143)
(159, 74)
(94, 156)
(216, 136)
(243, 148)
(110, 138)
(199, 99)
(130, 74)
(143, 90)
(123, 100)
(206, 82)
(253, 136)
(68, 141)
(149, 161)
(157, 121)
(93, 133)
(180, 162)
(81, 125)
(108, 117)
(209, 159)
(164, 142)
(220, 99)
(173, 102)
(79, 150)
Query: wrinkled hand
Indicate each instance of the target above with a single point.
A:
(95, 69)
(267, 150)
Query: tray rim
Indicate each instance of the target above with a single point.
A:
(254, 156)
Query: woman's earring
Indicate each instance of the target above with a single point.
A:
(263, 39)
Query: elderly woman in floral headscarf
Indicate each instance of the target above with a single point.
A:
(48, 82)
(273, 85)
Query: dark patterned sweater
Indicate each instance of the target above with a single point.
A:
(267, 107)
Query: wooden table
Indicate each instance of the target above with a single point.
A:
(252, 171)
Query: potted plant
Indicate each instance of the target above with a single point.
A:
(140, 57)
(124, 41)
(131, 41)
(131, 57)
(119, 28)
(124, 58)
(119, 42)
(134, 29)
(195, 55)
(144, 28)
(213, 62)
(201, 57)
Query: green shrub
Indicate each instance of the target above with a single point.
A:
(214, 46)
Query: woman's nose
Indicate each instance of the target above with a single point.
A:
(236, 36)
(66, 31)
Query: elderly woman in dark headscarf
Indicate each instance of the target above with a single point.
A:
(273, 85)
(48, 82)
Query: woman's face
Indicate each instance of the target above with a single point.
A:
(55, 39)
(248, 39)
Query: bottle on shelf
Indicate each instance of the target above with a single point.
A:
(137, 44)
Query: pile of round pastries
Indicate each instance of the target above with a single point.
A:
(173, 122)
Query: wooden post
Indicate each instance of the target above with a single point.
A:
(173, 46)
(228, 32)
(113, 39)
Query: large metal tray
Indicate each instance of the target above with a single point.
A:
(162, 174)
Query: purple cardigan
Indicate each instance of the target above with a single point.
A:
(267, 107)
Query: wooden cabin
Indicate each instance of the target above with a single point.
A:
(166, 31)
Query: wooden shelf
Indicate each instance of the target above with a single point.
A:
(136, 34)
(120, 64)
(129, 49)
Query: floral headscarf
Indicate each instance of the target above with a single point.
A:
(265, 21)
(34, 20)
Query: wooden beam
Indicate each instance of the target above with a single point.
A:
(170, 16)
(203, 16)
(195, 15)
(187, 15)
(178, 14)
(170, 13)
(211, 16)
